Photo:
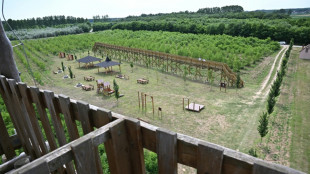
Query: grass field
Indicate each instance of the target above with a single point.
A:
(229, 119)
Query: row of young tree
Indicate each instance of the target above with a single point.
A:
(47, 21)
(274, 93)
(225, 9)
(237, 52)
(247, 28)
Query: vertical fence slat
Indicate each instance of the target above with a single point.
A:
(5, 141)
(84, 157)
(38, 100)
(68, 115)
(101, 118)
(60, 133)
(135, 145)
(166, 148)
(24, 117)
(84, 117)
(117, 150)
(9, 102)
(209, 158)
(32, 116)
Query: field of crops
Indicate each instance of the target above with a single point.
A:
(237, 52)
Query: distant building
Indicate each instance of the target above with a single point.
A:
(305, 52)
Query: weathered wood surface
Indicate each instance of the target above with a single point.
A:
(209, 158)
(7, 63)
(64, 154)
(5, 142)
(166, 148)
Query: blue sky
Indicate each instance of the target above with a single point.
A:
(21, 9)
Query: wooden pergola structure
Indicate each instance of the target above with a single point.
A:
(171, 62)
(124, 139)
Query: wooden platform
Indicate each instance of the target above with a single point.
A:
(194, 107)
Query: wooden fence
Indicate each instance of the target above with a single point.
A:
(124, 139)
(172, 62)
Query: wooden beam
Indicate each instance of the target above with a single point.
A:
(166, 148)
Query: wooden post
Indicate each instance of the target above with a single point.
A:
(6, 142)
(142, 102)
(209, 158)
(145, 101)
(139, 99)
(153, 105)
(188, 103)
(166, 148)
(120, 67)
(183, 104)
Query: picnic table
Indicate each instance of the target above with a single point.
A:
(143, 81)
(120, 76)
(88, 87)
(89, 78)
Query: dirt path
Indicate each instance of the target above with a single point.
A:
(251, 122)
(267, 79)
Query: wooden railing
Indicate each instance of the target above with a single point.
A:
(227, 72)
(124, 139)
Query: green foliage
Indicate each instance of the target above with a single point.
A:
(238, 81)
(185, 73)
(263, 125)
(70, 72)
(116, 89)
(62, 66)
(271, 101)
(151, 164)
(131, 65)
(252, 152)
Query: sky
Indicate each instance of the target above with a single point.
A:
(22, 9)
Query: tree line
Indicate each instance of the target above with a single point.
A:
(245, 28)
(225, 9)
(47, 21)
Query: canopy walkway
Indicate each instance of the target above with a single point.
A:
(169, 61)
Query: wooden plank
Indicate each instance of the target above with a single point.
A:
(84, 116)
(84, 157)
(209, 158)
(63, 155)
(233, 164)
(187, 151)
(60, 133)
(148, 136)
(39, 167)
(5, 141)
(166, 147)
(100, 117)
(24, 117)
(68, 115)
(135, 146)
(38, 100)
(262, 169)
(117, 150)
(32, 116)
(8, 100)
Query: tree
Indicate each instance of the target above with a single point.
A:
(62, 66)
(238, 81)
(263, 125)
(271, 101)
(131, 65)
(116, 90)
(70, 72)
(210, 77)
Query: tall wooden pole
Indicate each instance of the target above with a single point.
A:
(153, 104)
(139, 99)
(145, 101)
(8, 66)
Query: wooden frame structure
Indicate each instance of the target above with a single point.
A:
(170, 62)
(124, 139)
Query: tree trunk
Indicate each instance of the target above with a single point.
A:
(7, 64)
